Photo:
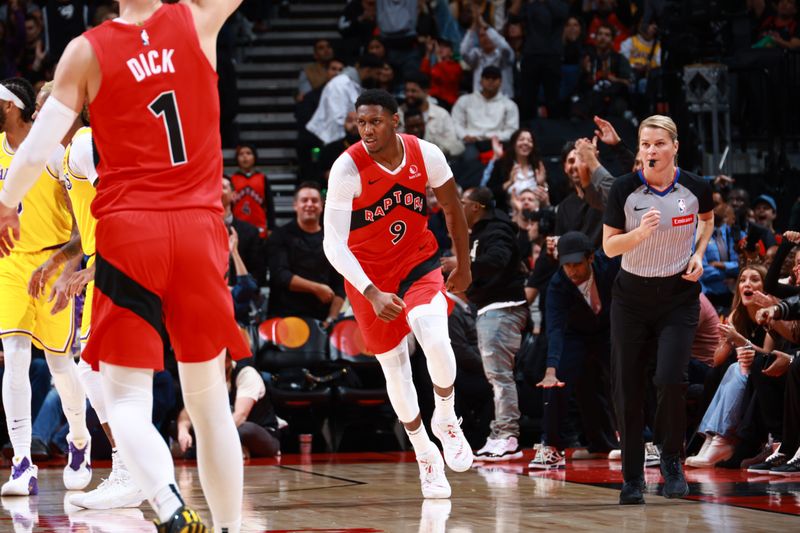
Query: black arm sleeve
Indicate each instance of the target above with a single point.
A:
(771, 283)
(614, 214)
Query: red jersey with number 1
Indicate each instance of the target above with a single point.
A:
(389, 232)
(155, 119)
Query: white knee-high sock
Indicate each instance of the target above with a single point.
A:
(73, 399)
(128, 394)
(218, 458)
(93, 386)
(17, 393)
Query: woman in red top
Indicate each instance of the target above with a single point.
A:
(444, 71)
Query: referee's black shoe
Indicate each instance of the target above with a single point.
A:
(675, 485)
(632, 492)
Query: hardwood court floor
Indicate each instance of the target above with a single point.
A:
(379, 492)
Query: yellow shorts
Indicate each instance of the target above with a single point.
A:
(22, 315)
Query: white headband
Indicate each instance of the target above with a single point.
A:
(8, 96)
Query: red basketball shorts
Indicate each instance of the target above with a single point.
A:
(162, 274)
(380, 336)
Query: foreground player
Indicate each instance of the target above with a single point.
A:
(25, 318)
(152, 88)
(376, 236)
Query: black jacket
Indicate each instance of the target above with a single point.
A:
(251, 250)
(497, 275)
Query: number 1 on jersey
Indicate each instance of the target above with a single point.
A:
(166, 106)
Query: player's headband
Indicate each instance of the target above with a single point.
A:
(8, 96)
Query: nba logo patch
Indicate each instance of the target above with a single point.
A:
(145, 38)
(682, 205)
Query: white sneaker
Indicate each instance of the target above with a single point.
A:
(506, 450)
(582, 454)
(487, 448)
(78, 472)
(431, 474)
(23, 480)
(116, 492)
(457, 451)
(700, 460)
(615, 455)
(547, 458)
(652, 455)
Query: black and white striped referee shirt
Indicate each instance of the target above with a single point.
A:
(668, 249)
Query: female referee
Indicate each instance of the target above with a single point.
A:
(652, 219)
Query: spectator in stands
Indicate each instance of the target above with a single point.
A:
(250, 245)
(541, 61)
(483, 46)
(33, 60)
(479, 117)
(605, 79)
(574, 213)
(444, 72)
(357, 25)
(706, 340)
(515, 36)
(253, 413)
(376, 47)
(388, 81)
(439, 126)
(437, 223)
(414, 122)
(397, 23)
(63, 21)
(339, 96)
(579, 350)
(302, 281)
(611, 13)
(252, 195)
(721, 262)
(780, 30)
(766, 211)
(244, 289)
(520, 168)
(314, 75)
(643, 52)
(724, 414)
(497, 292)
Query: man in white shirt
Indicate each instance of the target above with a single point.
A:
(338, 98)
(479, 117)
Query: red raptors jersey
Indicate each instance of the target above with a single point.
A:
(389, 232)
(249, 198)
(155, 119)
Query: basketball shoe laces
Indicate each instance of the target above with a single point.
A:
(549, 455)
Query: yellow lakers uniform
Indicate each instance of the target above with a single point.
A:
(80, 178)
(45, 225)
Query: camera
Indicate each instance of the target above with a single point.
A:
(545, 216)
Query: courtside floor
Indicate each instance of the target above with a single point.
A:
(377, 492)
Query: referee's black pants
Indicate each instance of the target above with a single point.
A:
(643, 309)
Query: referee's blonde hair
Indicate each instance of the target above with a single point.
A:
(661, 122)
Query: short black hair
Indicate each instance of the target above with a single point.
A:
(370, 61)
(483, 196)
(412, 112)
(565, 150)
(22, 89)
(378, 97)
(252, 148)
(420, 79)
(308, 185)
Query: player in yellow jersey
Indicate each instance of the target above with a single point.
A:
(79, 176)
(26, 314)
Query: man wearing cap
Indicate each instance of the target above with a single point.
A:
(497, 292)
(765, 210)
(578, 350)
(479, 117)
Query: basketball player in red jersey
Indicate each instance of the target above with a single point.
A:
(377, 237)
(150, 79)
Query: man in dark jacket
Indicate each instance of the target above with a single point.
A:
(578, 333)
(498, 294)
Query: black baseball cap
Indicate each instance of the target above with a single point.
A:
(573, 247)
(491, 72)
